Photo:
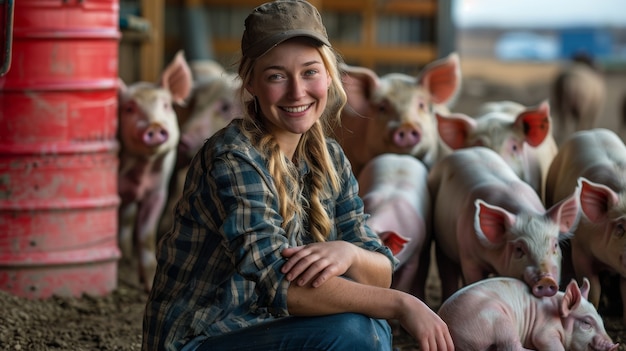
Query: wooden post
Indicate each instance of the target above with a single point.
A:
(152, 50)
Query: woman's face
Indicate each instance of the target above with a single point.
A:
(291, 84)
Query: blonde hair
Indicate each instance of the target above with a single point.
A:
(312, 149)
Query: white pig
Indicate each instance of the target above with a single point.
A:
(395, 194)
(394, 113)
(486, 220)
(501, 314)
(595, 160)
(213, 103)
(521, 135)
(149, 135)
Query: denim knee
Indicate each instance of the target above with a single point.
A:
(359, 332)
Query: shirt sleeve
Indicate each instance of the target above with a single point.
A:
(351, 220)
(251, 227)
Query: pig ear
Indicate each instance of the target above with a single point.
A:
(442, 78)
(177, 78)
(121, 86)
(491, 223)
(595, 199)
(571, 298)
(122, 92)
(203, 69)
(454, 129)
(360, 84)
(535, 123)
(584, 290)
(565, 213)
(394, 241)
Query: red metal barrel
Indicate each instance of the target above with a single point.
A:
(58, 150)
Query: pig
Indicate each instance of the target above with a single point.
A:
(213, 103)
(595, 161)
(148, 134)
(501, 314)
(486, 220)
(395, 195)
(394, 113)
(521, 135)
(579, 93)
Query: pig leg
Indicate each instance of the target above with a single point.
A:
(411, 276)
(149, 212)
(471, 273)
(127, 214)
(175, 192)
(449, 273)
(583, 266)
(567, 268)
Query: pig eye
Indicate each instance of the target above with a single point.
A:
(519, 251)
(619, 230)
(382, 108)
(585, 325)
(421, 105)
(226, 107)
(167, 105)
(129, 108)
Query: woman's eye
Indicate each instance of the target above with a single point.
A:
(274, 77)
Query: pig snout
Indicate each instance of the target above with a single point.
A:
(546, 286)
(603, 343)
(155, 135)
(406, 136)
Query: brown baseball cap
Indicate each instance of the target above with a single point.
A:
(274, 22)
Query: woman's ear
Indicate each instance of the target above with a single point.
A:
(249, 89)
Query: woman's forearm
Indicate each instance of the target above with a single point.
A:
(371, 268)
(340, 295)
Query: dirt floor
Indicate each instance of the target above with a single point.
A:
(114, 322)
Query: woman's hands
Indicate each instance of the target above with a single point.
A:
(424, 325)
(316, 263)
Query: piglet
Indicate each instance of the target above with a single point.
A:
(501, 314)
(148, 134)
(395, 194)
(393, 113)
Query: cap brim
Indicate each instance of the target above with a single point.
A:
(260, 48)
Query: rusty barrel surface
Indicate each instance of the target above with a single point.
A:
(58, 150)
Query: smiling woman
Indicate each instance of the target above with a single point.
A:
(270, 248)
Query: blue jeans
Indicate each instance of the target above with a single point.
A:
(345, 331)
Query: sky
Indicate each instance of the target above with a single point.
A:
(544, 13)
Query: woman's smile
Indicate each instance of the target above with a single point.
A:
(296, 109)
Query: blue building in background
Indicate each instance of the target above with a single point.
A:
(595, 42)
